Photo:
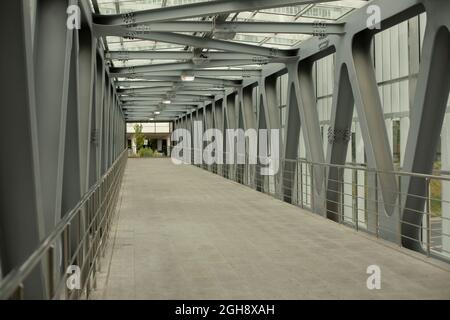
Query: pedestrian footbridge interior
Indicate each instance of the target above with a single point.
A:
(225, 149)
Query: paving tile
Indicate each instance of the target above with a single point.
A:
(184, 233)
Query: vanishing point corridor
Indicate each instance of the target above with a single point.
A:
(185, 233)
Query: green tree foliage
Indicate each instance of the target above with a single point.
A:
(146, 153)
(139, 136)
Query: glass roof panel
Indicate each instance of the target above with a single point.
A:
(327, 11)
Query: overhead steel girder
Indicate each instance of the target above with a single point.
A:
(177, 97)
(162, 111)
(313, 28)
(169, 90)
(151, 113)
(212, 8)
(158, 99)
(159, 113)
(150, 97)
(157, 108)
(160, 84)
(147, 84)
(193, 41)
(172, 90)
(202, 80)
(245, 73)
(146, 104)
(146, 119)
(178, 55)
(165, 89)
(183, 66)
(168, 94)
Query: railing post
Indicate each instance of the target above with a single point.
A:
(313, 209)
(399, 211)
(355, 199)
(301, 183)
(324, 192)
(377, 229)
(51, 273)
(428, 214)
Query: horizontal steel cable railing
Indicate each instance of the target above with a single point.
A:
(354, 198)
(77, 243)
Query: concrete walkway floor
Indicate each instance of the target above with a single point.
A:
(184, 233)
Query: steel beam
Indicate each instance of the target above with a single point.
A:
(341, 121)
(291, 144)
(371, 119)
(268, 118)
(198, 42)
(244, 73)
(21, 215)
(180, 66)
(301, 78)
(100, 92)
(198, 80)
(53, 47)
(86, 82)
(160, 84)
(313, 28)
(426, 119)
(178, 55)
(168, 90)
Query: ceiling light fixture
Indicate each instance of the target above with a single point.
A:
(187, 77)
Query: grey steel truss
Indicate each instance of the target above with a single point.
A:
(67, 99)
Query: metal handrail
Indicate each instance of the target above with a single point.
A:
(445, 174)
(16, 277)
(353, 205)
(368, 169)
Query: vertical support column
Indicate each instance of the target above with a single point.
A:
(105, 126)
(427, 115)
(86, 82)
(71, 194)
(208, 123)
(290, 150)
(230, 123)
(218, 124)
(111, 128)
(53, 48)
(307, 104)
(93, 145)
(21, 216)
(249, 122)
(99, 107)
(338, 137)
(268, 118)
(373, 128)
